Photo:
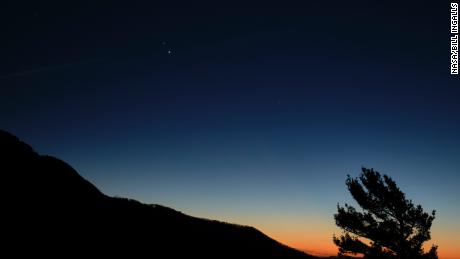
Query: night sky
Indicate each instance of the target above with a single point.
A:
(252, 114)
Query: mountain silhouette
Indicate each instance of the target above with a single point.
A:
(52, 211)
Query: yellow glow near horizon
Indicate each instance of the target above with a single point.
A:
(315, 237)
(312, 232)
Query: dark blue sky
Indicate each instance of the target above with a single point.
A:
(257, 109)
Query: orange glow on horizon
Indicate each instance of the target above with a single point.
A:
(311, 245)
(320, 243)
(329, 249)
(313, 233)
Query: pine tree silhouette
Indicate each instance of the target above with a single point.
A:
(389, 226)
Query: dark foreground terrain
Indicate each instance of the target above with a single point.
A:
(50, 210)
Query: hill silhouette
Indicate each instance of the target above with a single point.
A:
(52, 211)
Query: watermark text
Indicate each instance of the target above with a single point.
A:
(454, 38)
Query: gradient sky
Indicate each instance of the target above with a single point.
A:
(252, 114)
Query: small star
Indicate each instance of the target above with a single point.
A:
(169, 52)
